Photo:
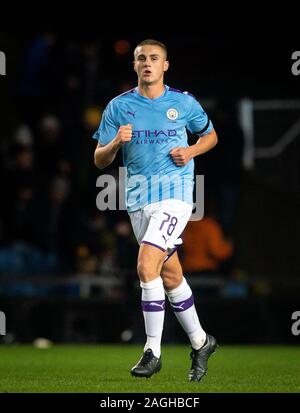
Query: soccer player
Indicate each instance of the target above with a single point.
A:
(149, 124)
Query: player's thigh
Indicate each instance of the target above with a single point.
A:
(139, 222)
(171, 272)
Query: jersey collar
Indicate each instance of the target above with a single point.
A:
(154, 99)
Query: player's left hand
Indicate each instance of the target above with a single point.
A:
(181, 156)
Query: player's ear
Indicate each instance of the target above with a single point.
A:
(166, 65)
(134, 66)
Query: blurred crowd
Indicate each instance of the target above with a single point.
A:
(49, 221)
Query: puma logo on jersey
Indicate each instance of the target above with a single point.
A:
(131, 113)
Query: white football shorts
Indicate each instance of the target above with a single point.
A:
(160, 224)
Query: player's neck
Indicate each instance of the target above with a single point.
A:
(151, 91)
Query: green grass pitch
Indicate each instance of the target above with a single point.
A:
(105, 369)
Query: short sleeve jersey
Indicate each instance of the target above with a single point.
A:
(159, 125)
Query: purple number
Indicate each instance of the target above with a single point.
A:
(172, 224)
(165, 220)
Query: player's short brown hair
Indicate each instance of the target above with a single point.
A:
(152, 42)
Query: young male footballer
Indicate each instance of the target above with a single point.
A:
(149, 124)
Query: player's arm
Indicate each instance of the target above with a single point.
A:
(181, 156)
(105, 155)
(203, 144)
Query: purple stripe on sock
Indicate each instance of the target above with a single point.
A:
(154, 245)
(183, 305)
(158, 305)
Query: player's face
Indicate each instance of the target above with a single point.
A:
(150, 64)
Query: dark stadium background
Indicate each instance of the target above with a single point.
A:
(66, 268)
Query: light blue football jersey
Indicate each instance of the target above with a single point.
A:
(159, 125)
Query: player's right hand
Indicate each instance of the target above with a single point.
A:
(124, 134)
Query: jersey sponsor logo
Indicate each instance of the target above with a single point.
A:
(147, 133)
(172, 114)
(151, 141)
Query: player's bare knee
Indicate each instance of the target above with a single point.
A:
(146, 271)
